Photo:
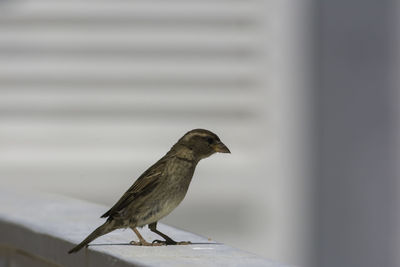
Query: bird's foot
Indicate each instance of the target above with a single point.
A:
(144, 243)
(183, 243)
(171, 242)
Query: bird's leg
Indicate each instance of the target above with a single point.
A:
(168, 240)
(142, 241)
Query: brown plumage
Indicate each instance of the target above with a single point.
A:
(160, 189)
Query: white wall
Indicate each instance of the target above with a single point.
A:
(358, 137)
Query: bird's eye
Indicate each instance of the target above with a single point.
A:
(210, 140)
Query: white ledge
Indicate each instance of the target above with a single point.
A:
(38, 229)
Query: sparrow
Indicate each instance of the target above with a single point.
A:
(159, 190)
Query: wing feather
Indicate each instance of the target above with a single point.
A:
(142, 186)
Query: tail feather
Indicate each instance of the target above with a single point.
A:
(101, 230)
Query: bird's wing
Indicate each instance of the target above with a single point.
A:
(143, 185)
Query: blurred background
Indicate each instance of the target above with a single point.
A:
(303, 92)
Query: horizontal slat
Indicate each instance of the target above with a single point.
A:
(84, 146)
(131, 107)
(76, 64)
(128, 37)
(106, 141)
(16, 131)
(124, 21)
(88, 51)
(125, 169)
(129, 23)
(96, 84)
(106, 99)
(113, 137)
(199, 113)
(76, 156)
(171, 9)
(138, 99)
(77, 81)
(93, 72)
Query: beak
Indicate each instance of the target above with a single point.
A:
(220, 147)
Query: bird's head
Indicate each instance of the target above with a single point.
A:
(201, 143)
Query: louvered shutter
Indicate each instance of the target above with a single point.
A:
(93, 92)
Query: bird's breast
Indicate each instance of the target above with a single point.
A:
(172, 191)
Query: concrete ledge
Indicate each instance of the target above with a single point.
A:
(38, 230)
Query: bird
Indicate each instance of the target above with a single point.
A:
(159, 190)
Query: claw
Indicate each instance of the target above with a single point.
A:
(141, 243)
(184, 243)
(171, 242)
